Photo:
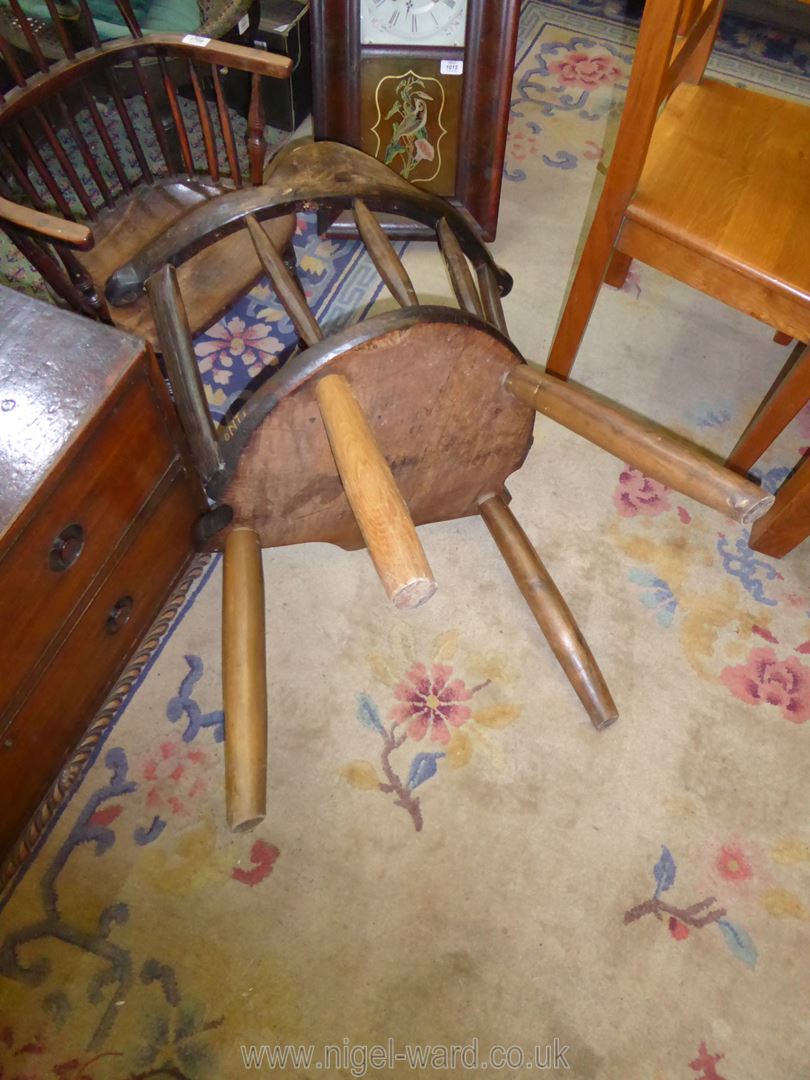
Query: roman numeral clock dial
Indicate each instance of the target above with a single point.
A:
(426, 22)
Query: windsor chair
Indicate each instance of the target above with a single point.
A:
(708, 183)
(84, 184)
(413, 416)
(205, 18)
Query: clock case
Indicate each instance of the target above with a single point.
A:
(489, 60)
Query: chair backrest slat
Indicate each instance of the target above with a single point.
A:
(29, 34)
(177, 117)
(154, 116)
(661, 61)
(21, 177)
(129, 18)
(29, 149)
(88, 24)
(66, 164)
(209, 138)
(111, 80)
(64, 36)
(226, 127)
(85, 151)
(696, 38)
(257, 148)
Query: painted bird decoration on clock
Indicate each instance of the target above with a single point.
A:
(409, 139)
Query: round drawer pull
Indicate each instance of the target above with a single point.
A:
(119, 614)
(66, 548)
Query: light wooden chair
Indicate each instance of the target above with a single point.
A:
(709, 183)
(413, 416)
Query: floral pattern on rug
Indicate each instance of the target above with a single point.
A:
(447, 828)
(681, 921)
(439, 712)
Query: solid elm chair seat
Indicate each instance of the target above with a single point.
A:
(214, 276)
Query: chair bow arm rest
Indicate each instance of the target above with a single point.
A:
(46, 226)
(240, 57)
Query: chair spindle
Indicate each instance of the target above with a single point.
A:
(226, 128)
(459, 272)
(383, 255)
(287, 289)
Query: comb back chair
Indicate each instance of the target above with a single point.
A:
(708, 183)
(82, 188)
(413, 416)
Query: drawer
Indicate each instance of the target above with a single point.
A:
(60, 551)
(34, 746)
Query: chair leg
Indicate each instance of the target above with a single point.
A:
(244, 681)
(550, 610)
(789, 393)
(377, 503)
(618, 269)
(788, 523)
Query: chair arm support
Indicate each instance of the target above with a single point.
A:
(46, 226)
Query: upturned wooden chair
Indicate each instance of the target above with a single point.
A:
(709, 183)
(413, 416)
(80, 191)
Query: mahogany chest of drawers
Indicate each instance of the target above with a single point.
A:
(97, 505)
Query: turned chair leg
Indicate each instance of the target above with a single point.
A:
(244, 680)
(377, 503)
(550, 610)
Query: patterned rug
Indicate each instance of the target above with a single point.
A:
(457, 872)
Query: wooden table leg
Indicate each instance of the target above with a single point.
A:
(550, 610)
(244, 680)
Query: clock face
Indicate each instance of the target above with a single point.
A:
(413, 22)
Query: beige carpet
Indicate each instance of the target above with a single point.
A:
(503, 876)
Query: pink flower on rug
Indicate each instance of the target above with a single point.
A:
(732, 864)
(174, 777)
(640, 494)
(764, 678)
(706, 1064)
(431, 703)
(586, 69)
(232, 340)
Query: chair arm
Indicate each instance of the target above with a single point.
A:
(241, 57)
(47, 226)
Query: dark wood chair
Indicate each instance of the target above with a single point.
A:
(708, 183)
(413, 416)
(80, 191)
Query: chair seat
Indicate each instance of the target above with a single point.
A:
(210, 280)
(728, 176)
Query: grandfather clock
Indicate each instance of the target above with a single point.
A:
(423, 85)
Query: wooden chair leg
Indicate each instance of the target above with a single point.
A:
(375, 499)
(788, 523)
(789, 393)
(550, 610)
(781, 338)
(618, 269)
(652, 449)
(244, 681)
